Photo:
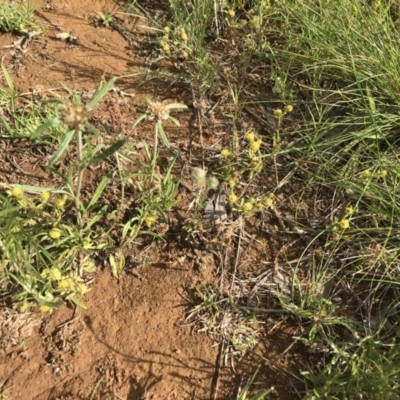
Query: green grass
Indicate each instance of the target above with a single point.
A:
(16, 17)
(338, 63)
(324, 78)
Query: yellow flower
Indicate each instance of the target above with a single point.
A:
(44, 197)
(83, 289)
(278, 113)
(231, 183)
(384, 173)
(255, 146)
(17, 192)
(166, 48)
(226, 153)
(260, 206)
(55, 233)
(247, 207)
(231, 13)
(367, 174)
(232, 198)
(250, 137)
(184, 36)
(150, 220)
(349, 210)
(30, 222)
(185, 54)
(59, 203)
(67, 283)
(45, 308)
(344, 223)
(15, 229)
(166, 29)
(289, 108)
(269, 200)
(24, 307)
(54, 273)
(255, 22)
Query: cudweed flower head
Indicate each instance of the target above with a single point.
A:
(278, 113)
(24, 307)
(17, 192)
(59, 203)
(255, 146)
(250, 137)
(248, 206)
(166, 29)
(150, 220)
(158, 110)
(231, 13)
(226, 153)
(213, 183)
(54, 274)
(289, 108)
(344, 224)
(200, 177)
(75, 116)
(367, 174)
(269, 200)
(231, 183)
(44, 309)
(349, 210)
(166, 49)
(383, 173)
(232, 198)
(55, 233)
(184, 35)
(67, 283)
(44, 197)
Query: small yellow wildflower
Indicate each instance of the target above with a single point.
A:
(24, 307)
(67, 283)
(289, 108)
(44, 197)
(384, 173)
(30, 222)
(349, 210)
(255, 22)
(260, 206)
(59, 203)
(44, 308)
(15, 229)
(185, 54)
(248, 206)
(17, 192)
(278, 113)
(250, 137)
(232, 198)
(83, 289)
(150, 220)
(166, 48)
(226, 153)
(184, 35)
(231, 13)
(54, 273)
(367, 174)
(269, 200)
(255, 146)
(231, 183)
(54, 233)
(344, 224)
(166, 29)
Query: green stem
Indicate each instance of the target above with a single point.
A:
(154, 160)
(80, 178)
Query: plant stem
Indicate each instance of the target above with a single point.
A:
(154, 160)
(80, 178)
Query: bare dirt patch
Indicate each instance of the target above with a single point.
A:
(131, 341)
